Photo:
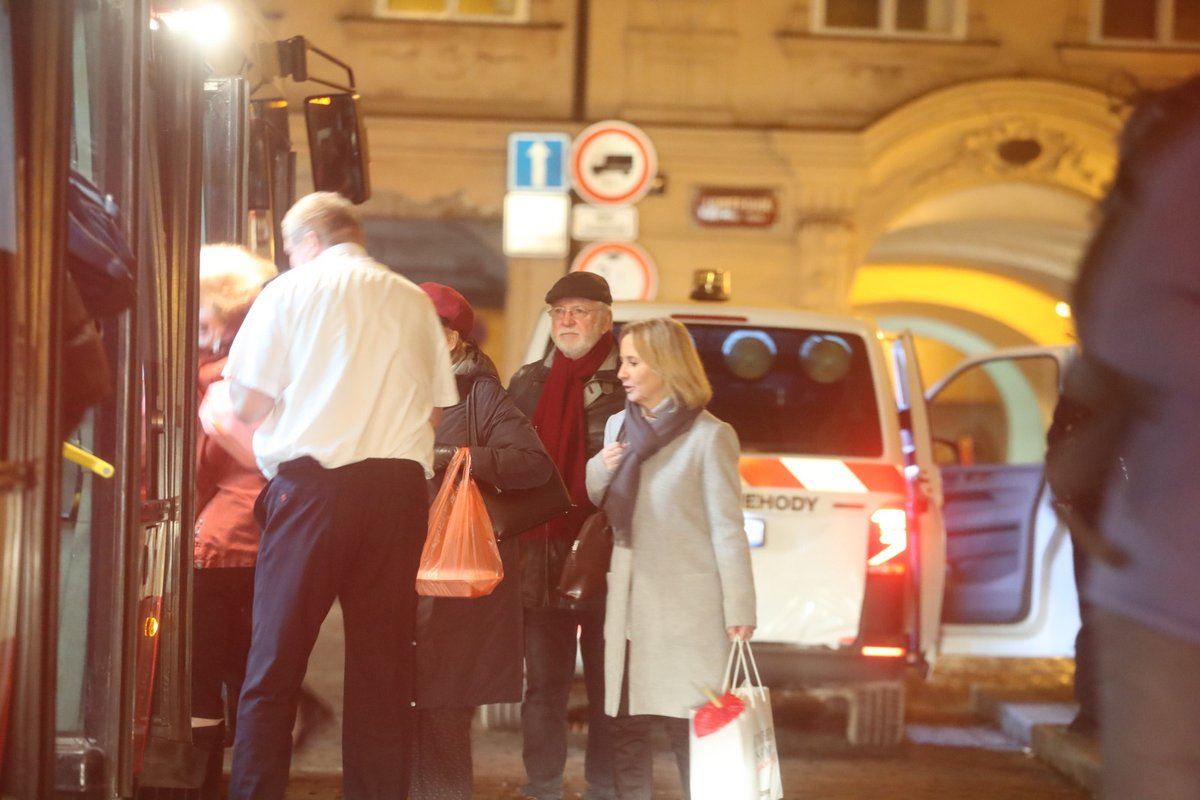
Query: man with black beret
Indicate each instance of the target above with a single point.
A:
(568, 395)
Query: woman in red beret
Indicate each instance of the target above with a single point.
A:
(470, 651)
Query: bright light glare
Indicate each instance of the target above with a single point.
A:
(1063, 309)
(893, 534)
(208, 25)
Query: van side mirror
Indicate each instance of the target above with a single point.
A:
(338, 144)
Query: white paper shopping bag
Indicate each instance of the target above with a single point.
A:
(722, 762)
(732, 738)
(758, 706)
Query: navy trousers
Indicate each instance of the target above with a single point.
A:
(353, 533)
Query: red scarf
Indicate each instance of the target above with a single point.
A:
(561, 421)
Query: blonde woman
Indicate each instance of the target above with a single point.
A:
(680, 586)
(226, 535)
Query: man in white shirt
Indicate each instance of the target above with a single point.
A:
(344, 364)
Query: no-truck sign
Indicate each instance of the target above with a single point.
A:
(613, 162)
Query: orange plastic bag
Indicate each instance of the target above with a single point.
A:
(460, 558)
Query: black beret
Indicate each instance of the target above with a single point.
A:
(587, 285)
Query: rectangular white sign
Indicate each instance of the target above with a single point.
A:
(535, 225)
(604, 223)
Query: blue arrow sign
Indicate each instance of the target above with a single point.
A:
(537, 162)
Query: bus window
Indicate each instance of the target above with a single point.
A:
(272, 178)
(226, 134)
(8, 189)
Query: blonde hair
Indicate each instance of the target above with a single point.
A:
(667, 348)
(231, 277)
(327, 214)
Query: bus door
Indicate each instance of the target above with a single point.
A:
(13, 473)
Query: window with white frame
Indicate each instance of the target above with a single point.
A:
(456, 10)
(941, 18)
(1155, 22)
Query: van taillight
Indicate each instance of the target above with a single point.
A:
(878, 651)
(888, 539)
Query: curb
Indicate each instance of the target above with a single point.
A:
(1042, 727)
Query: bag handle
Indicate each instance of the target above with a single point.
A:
(726, 684)
(741, 665)
(459, 469)
(748, 655)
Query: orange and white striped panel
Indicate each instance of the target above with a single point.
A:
(820, 475)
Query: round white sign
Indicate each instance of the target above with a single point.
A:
(613, 162)
(629, 269)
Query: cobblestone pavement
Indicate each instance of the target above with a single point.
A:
(949, 752)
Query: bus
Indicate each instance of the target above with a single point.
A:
(125, 145)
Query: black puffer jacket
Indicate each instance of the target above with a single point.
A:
(542, 558)
(470, 651)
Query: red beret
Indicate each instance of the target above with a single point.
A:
(452, 307)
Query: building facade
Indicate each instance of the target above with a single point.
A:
(934, 163)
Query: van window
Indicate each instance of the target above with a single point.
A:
(996, 413)
(791, 390)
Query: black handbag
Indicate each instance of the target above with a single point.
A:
(585, 572)
(514, 511)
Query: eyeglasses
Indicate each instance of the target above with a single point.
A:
(559, 313)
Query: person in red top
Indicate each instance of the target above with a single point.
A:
(226, 534)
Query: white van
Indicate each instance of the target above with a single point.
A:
(882, 530)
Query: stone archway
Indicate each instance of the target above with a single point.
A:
(990, 183)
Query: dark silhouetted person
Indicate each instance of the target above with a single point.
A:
(1138, 311)
(1079, 511)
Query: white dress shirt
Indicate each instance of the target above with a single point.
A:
(355, 358)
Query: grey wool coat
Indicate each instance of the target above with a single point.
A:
(686, 577)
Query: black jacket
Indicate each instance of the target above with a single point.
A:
(542, 558)
(470, 651)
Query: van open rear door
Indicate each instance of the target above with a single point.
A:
(1009, 586)
(927, 543)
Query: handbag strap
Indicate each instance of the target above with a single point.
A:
(472, 423)
(473, 439)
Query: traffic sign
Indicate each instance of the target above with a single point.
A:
(613, 162)
(537, 162)
(604, 223)
(629, 270)
(535, 224)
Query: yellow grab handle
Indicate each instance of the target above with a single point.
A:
(88, 461)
